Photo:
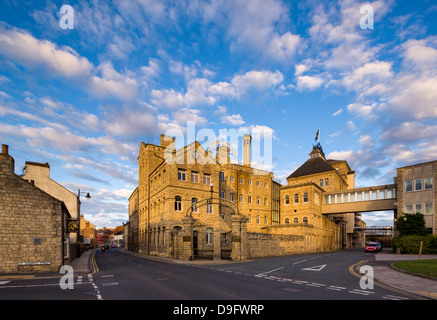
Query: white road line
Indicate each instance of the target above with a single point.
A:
(264, 273)
(96, 289)
(299, 262)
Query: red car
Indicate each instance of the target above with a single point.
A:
(372, 247)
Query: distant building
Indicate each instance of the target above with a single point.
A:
(88, 233)
(33, 224)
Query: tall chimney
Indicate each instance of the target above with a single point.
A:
(247, 140)
(5, 149)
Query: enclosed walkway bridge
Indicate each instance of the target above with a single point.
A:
(377, 198)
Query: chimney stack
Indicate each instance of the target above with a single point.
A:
(247, 140)
(5, 149)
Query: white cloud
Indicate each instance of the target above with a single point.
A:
(309, 82)
(23, 48)
(231, 119)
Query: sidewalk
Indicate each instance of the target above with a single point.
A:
(399, 279)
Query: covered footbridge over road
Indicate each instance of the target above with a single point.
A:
(377, 198)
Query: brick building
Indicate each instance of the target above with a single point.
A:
(33, 224)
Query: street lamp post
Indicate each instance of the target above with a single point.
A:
(88, 196)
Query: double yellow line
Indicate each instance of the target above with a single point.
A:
(94, 263)
(399, 291)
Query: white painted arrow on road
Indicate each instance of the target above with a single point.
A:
(315, 268)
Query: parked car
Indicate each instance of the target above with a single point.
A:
(379, 245)
(372, 247)
(113, 245)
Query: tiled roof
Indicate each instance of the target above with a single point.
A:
(312, 166)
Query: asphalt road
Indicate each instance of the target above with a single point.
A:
(123, 276)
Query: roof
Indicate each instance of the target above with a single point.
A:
(312, 166)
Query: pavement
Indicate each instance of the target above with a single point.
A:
(384, 272)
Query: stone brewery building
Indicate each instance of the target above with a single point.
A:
(33, 224)
(197, 206)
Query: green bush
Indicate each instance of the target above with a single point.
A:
(411, 244)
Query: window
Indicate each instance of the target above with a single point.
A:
(321, 182)
(418, 208)
(409, 208)
(327, 198)
(241, 180)
(257, 183)
(389, 194)
(305, 197)
(266, 185)
(182, 176)
(209, 207)
(266, 202)
(418, 185)
(428, 183)
(408, 186)
(428, 207)
(374, 195)
(231, 178)
(287, 221)
(257, 219)
(207, 179)
(194, 177)
(257, 201)
(249, 199)
(265, 220)
(222, 194)
(305, 220)
(232, 197)
(359, 196)
(287, 199)
(249, 218)
(178, 203)
(222, 175)
(194, 204)
(296, 198)
(296, 220)
(326, 182)
(381, 194)
(249, 182)
(366, 195)
(241, 198)
(209, 236)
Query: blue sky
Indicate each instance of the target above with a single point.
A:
(83, 99)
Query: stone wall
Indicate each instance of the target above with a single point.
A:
(31, 231)
(266, 245)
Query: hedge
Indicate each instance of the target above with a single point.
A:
(411, 244)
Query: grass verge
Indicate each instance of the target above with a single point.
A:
(425, 267)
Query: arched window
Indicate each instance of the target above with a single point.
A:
(326, 182)
(296, 198)
(249, 218)
(321, 182)
(257, 219)
(287, 221)
(287, 199)
(305, 220)
(194, 204)
(296, 220)
(305, 197)
(178, 203)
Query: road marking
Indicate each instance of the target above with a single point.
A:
(391, 297)
(315, 268)
(107, 276)
(3, 282)
(96, 289)
(264, 273)
(317, 285)
(335, 288)
(110, 284)
(299, 262)
(362, 292)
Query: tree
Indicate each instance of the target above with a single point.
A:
(411, 224)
